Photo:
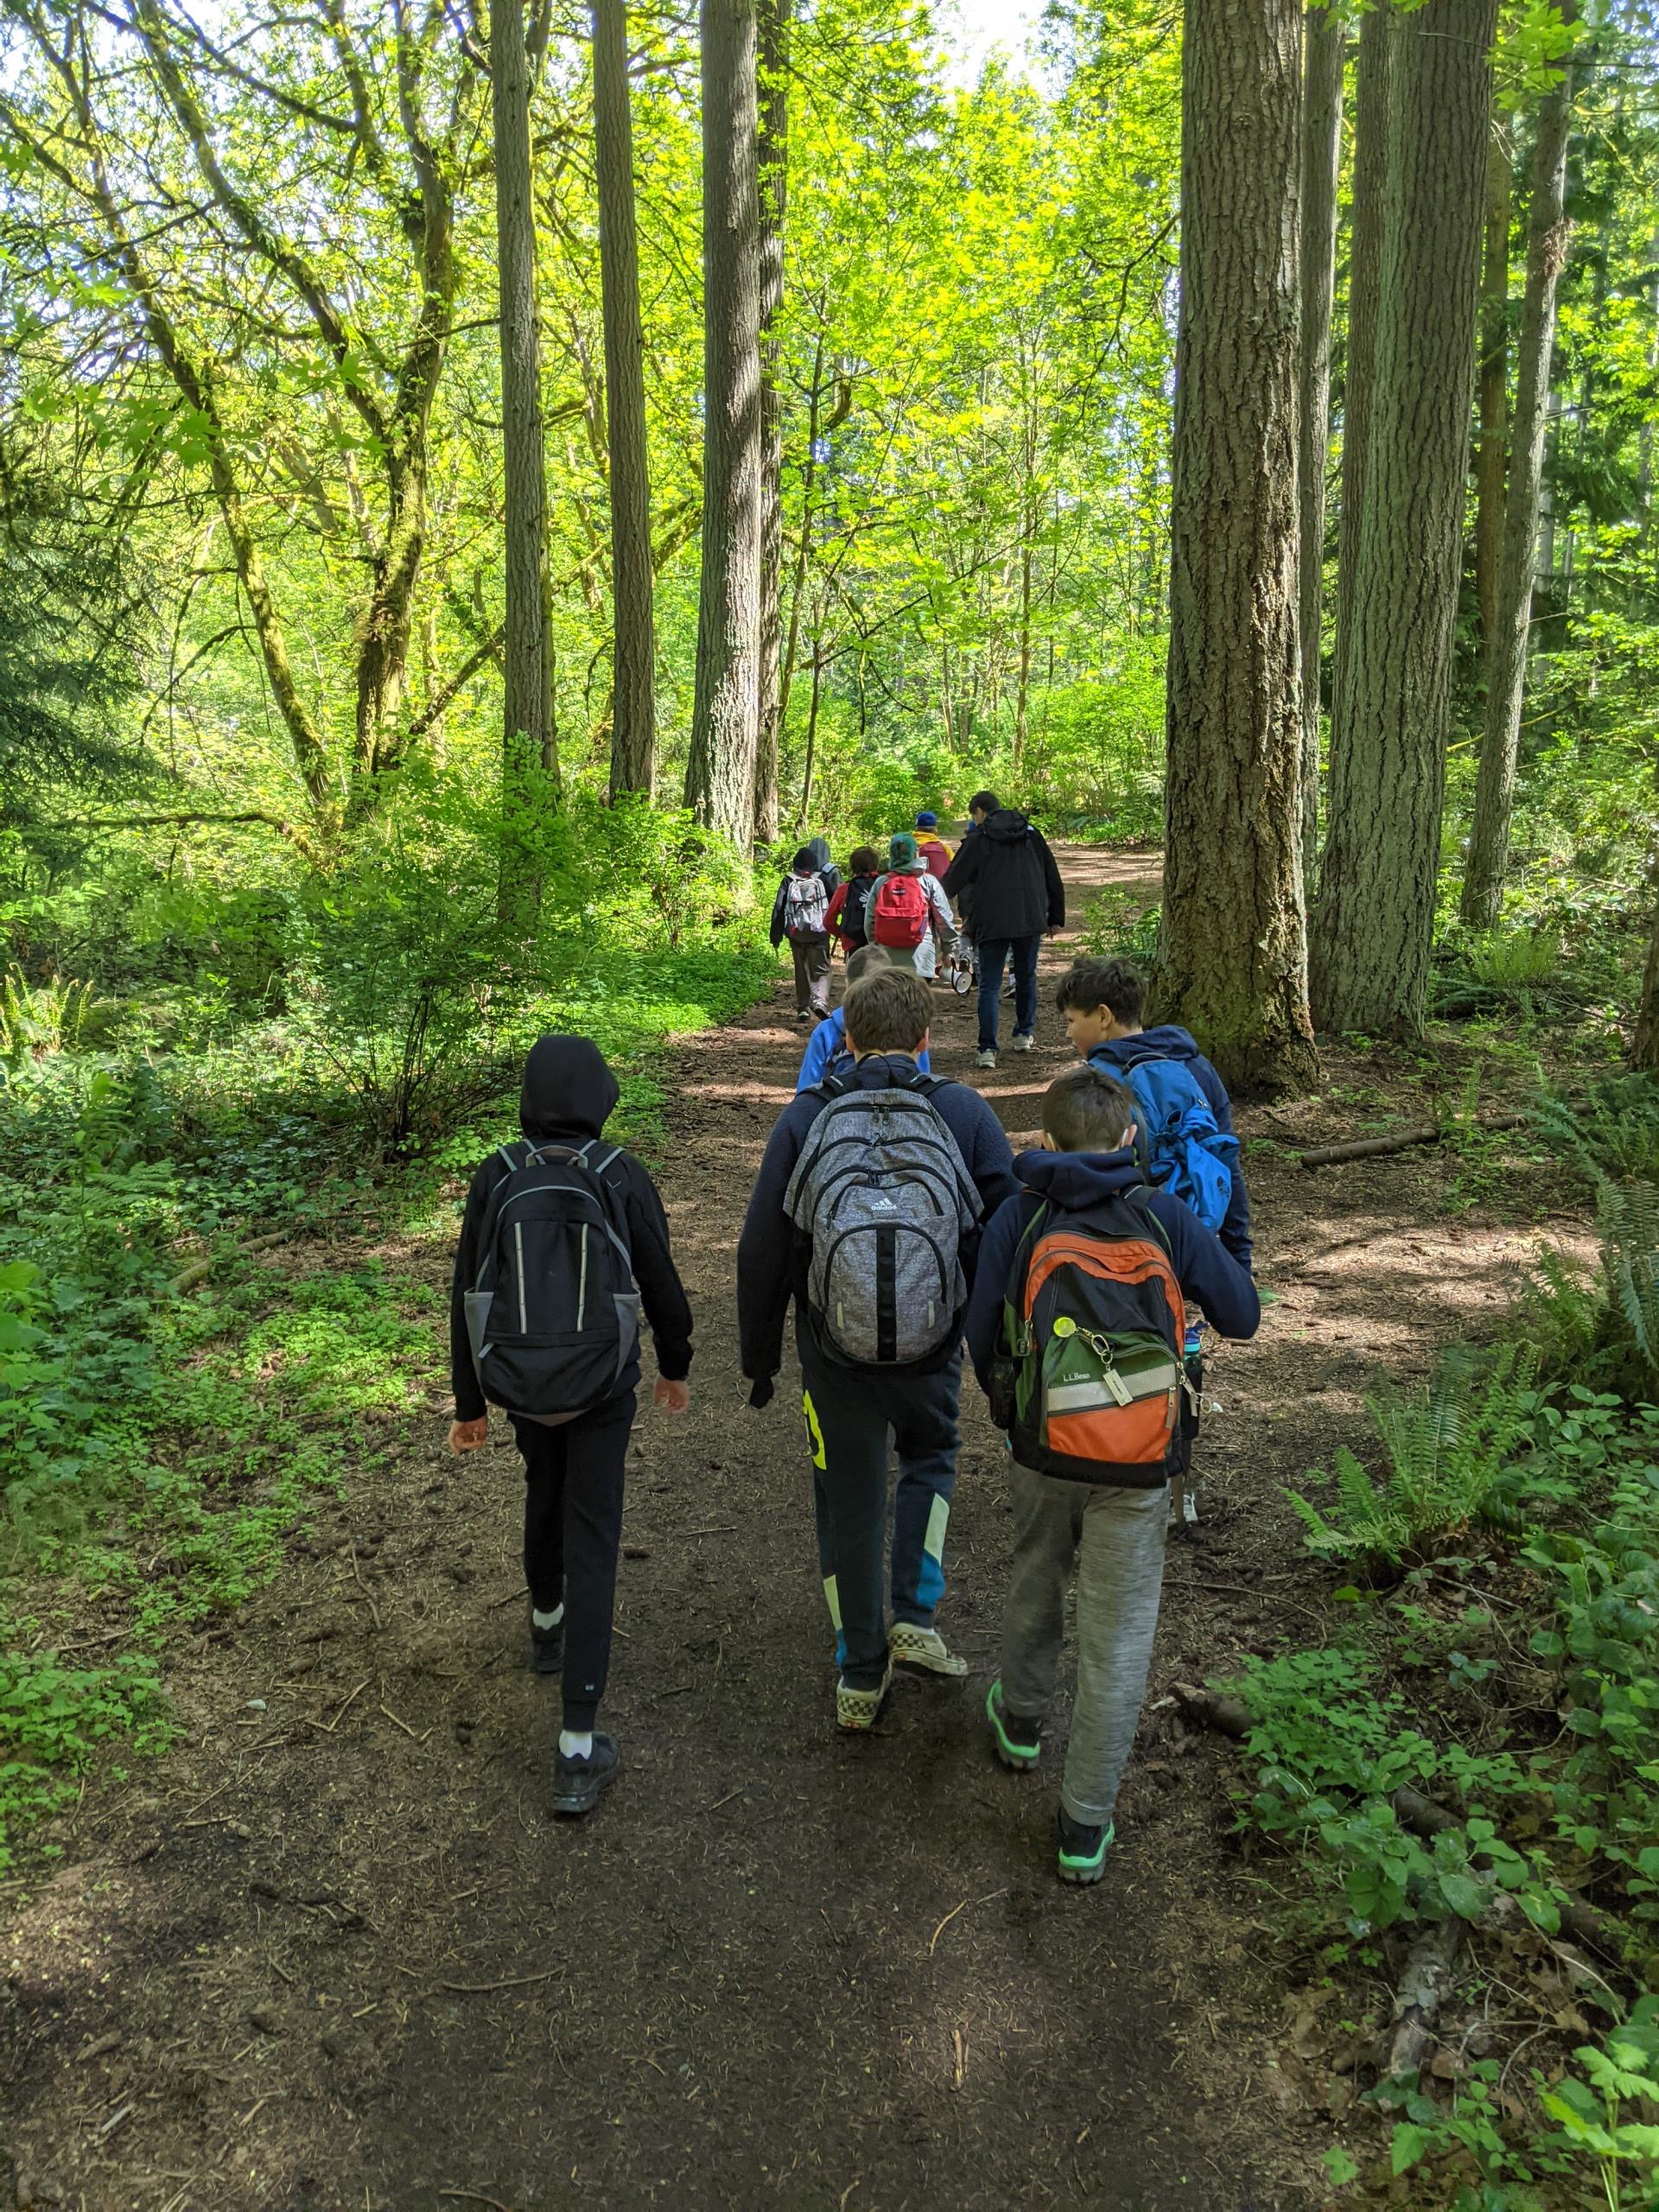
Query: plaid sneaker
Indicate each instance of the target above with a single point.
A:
(1016, 1743)
(857, 1709)
(914, 1646)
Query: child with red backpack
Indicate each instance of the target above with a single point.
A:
(1076, 1327)
(801, 913)
(562, 1242)
(848, 919)
(908, 911)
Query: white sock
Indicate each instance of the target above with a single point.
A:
(547, 1620)
(576, 1747)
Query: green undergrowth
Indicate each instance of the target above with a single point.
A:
(159, 1443)
(1494, 1657)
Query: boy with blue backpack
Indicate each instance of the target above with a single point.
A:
(562, 1242)
(826, 1050)
(1184, 1134)
(866, 1213)
(1076, 1328)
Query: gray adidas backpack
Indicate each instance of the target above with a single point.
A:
(881, 1189)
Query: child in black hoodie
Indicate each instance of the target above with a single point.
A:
(573, 1471)
(1111, 1523)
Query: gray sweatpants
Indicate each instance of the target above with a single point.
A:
(1116, 1538)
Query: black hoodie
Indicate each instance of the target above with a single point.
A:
(1009, 879)
(568, 1096)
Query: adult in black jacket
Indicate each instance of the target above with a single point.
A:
(572, 1473)
(1007, 877)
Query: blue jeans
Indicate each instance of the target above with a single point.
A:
(851, 1413)
(1021, 953)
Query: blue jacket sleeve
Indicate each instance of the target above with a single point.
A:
(821, 1048)
(1206, 1271)
(764, 1251)
(996, 1251)
(1235, 1230)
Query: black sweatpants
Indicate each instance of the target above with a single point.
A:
(573, 1527)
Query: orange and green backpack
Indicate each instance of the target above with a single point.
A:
(1088, 1375)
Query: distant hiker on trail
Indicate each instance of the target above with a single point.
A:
(1006, 879)
(826, 1050)
(929, 843)
(909, 914)
(848, 919)
(1186, 1139)
(800, 913)
(563, 1240)
(1075, 1328)
(819, 849)
(866, 1213)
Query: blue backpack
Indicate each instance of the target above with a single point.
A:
(1181, 1145)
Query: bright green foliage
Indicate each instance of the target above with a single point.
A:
(1448, 1447)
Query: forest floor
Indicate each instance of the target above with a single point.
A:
(334, 1954)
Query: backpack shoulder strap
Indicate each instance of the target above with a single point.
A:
(829, 1087)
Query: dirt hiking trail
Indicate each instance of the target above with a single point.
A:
(334, 1954)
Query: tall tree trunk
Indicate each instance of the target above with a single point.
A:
(1373, 77)
(634, 650)
(1645, 1052)
(1546, 237)
(773, 182)
(527, 732)
(1326, 51)
(720, 765)
(1388, 739)
(1232, 963)
(1492, 455)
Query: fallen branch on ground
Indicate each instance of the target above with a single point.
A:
(1423, 1988)
(198, 1270)
(1331, 1155)
(1229, 1716)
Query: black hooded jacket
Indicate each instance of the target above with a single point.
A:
(568, 1096)
(1008, 879)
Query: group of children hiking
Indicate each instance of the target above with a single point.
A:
(1003, 879)
(891, 1212)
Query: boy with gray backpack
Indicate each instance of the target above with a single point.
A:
(562, 1243)
(865, 1212)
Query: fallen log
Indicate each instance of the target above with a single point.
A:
(198, 1270)
(1230, 1717)
(1332, 1155)
(1423, 1988)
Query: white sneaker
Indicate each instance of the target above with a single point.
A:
(985, 1060)
(914, 1646)
(1022, 1044)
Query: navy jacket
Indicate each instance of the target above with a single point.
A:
(1219, 1286)
(1171, 1042)
(772, 1254)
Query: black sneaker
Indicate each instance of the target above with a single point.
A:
(546, 1644)
(577, 1782)
(1083, 1850)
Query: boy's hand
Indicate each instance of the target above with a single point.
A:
(469, 1435)
(673, 1398)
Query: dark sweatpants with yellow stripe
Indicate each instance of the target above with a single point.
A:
(851, 1415)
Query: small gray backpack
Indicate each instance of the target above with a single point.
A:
(882, 1190)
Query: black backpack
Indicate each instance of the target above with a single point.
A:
(554, 1312)
(855, 914)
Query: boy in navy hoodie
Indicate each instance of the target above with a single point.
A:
(1112, 1523)
(1101, 1003)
